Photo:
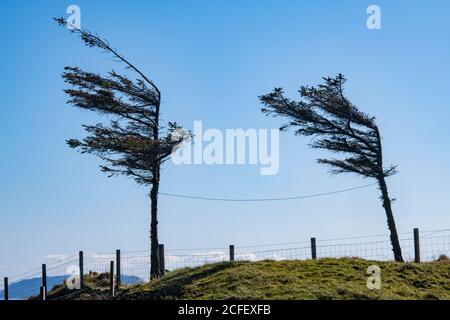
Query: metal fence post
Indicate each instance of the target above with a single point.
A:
(44, 278)
(118, 274)
(313, 249)
(81, 266)
(6, 289)
(111, 277)
(231, 252)
(162, 265)
(416, 245)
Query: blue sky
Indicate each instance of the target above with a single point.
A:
(212, 59)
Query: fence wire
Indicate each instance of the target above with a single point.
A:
(135, 266)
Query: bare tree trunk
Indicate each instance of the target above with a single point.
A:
(154, 256)
(390, 220)
(156, 169)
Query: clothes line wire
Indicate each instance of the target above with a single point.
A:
(265, 199)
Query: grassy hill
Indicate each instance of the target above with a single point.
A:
(307, 279)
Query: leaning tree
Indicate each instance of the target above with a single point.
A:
(133, 142)
(336, 125)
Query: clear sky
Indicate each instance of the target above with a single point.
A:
(212, 59)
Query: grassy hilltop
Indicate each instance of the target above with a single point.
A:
(306, 279)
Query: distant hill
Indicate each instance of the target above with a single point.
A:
(24, 289)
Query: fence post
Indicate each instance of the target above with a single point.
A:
(313, 249)
(43, 293)
(44, 278)
(162, 265)
(231, 252)
(118, 274)
(81, 265)
(6, 289)
(111, 277)
(416, 245)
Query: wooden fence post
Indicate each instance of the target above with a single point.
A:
(313, 249)
(118, 274)
(111, 277)
(44, 279)
(162, 265)
(6, 289)
(416, 245)
(231, 252)
(81, 266)
(43, 293)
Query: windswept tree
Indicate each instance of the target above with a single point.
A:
(132, 142)
(336, 125)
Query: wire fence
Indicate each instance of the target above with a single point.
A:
(135, 266)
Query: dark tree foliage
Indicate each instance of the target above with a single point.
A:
(338, 126)
(132, 143)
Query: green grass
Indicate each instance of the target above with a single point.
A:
(306, 279)
(335, 279)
